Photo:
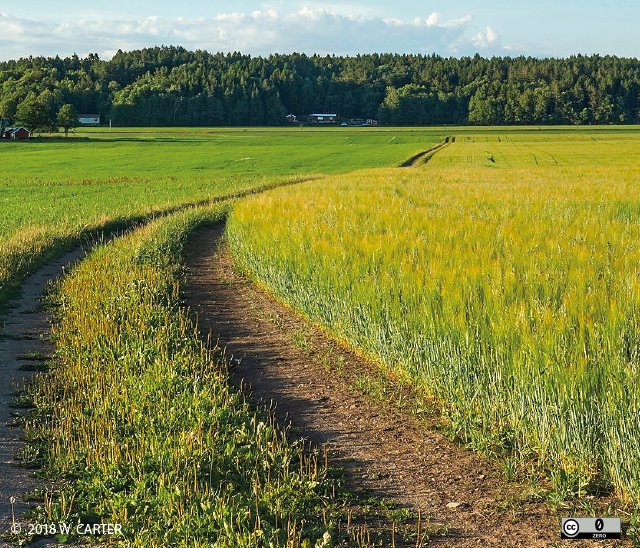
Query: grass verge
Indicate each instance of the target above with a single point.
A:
(139, 425)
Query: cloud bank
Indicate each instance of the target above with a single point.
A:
(308, 30)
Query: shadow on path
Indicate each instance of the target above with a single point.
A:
(312, 382)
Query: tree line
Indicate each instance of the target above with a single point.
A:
(34, 115)
(171, 86)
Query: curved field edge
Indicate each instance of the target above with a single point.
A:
(532, 355)
(138, 423)
(30, 246)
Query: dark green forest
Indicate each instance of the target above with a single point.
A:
(171, 86)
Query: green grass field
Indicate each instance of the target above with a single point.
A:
(191, 153)
(501, 278)
(55, 190)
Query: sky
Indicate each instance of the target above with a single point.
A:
(540, 28)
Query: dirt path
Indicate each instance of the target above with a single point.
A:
(423, 157)
(311, 380)
(24, 342)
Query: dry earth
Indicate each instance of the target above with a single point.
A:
(315, 383)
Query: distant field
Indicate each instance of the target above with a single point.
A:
(55, 188)
(501, 278)
(594, 148)
(92, 154)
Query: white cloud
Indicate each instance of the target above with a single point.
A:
(269, 14)
(463, 21)
(433, 19)
(488, 39)
(309, 30)
(233, 17)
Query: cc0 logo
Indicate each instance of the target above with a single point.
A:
(571, 528)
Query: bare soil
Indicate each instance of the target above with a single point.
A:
(24, 346)
(324, 390)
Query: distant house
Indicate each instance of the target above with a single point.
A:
(291, 118)
(323, 118)
(89, 119)
(15, 133)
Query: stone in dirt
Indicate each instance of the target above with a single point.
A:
(456, 505)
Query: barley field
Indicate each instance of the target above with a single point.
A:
(56, 192)
(502, 279)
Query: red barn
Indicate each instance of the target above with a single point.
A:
(15, 133)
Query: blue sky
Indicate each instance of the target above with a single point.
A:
(539, 28)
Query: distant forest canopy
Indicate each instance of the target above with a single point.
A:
(170, 86)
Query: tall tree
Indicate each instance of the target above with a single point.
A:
(67, 118)
(8, 108)
(33, 115)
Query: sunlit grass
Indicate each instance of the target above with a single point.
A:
(510, 294)
(137, 422)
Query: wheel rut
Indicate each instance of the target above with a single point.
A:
(310, 380)
(423, 157)
(24, 342)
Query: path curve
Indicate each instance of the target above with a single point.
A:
(293, 365)
(423, 157)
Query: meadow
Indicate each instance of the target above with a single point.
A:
(56, 191)
(501, 279)
(136, 420)
(102, 154)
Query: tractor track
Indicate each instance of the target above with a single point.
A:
(24, 344)
(311, 382)
(423, 157)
